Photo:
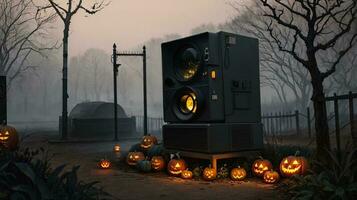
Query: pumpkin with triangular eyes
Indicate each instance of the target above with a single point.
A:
(176, 166)
(133, 157)
(271, 177)
(260, 166)
(293, 165)
(8, 137)
(148, 141)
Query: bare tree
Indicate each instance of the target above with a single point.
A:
(20, 28)
(66, 10)
(279, 70)
(318, 34)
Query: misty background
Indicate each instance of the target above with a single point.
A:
(35, 94)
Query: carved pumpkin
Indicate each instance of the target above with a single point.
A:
(157, 163)
(148, 141)
(292, 165)
(271, 177)
(8, 137)
(133, 157)
(104, 164)
(260, 166)
(209, 174)
(238, 174)
(186, 174)
(116, 148)
(176, 166)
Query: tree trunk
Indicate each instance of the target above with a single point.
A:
(64, 81)
(321, 123)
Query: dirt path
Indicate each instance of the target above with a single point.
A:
(127, 184)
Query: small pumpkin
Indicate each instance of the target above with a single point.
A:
(186, 174)
(293, 165)
(197, 171)
(157, 163)
(238, 174)
(133, 157)
(271, 177)
(176, 166)
(144, 165)
(105, 163)
(148, 141)
(209, 173)
(8, 137)
(223, 172)
(260, 166)
(116, 148)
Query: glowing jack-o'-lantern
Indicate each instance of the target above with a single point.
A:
(104, 164)
(186, 174)
(133, 157)
(176, 166)
(157, 163)
(209, 173)
(271, 177)
(148, 141)
(293, 165)
(8, 137)
(116, 148)
(260, 166)
(238, 174)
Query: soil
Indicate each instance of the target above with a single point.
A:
(128, 184)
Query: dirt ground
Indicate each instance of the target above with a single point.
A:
(127, 184)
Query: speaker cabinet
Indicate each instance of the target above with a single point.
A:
(211, 93)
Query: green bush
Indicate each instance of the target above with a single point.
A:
(26, 174)
(336, 180)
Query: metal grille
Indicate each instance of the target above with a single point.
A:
(190, 138)
(242, 136)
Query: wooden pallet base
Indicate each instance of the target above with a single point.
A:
(214, 157)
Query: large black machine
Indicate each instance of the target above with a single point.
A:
(211, 93)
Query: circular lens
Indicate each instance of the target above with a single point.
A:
(188, 103)
(187, 63)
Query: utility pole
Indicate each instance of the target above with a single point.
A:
(115, 74)
(144, 93)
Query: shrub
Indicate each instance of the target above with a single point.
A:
(26, 174)
(337, 180)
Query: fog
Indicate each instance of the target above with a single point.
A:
(130, 23)
(36, 93)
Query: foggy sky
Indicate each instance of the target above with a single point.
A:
(129, 23)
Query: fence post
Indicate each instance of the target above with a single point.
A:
(337, 123)
(297, 121)
(290, 121)
(280, 122)
(272, 124)
(276, 123)
(352, 125)
(308, 121)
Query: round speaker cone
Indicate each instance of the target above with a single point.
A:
(187, 63)
(188, 103)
